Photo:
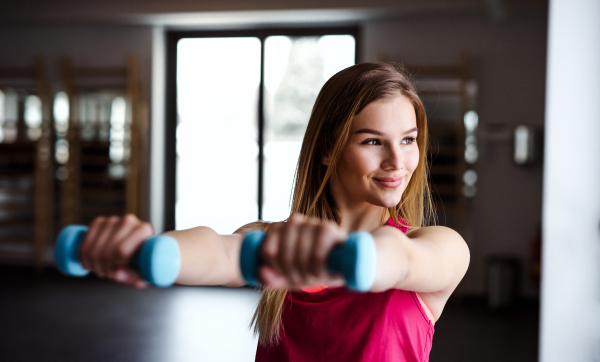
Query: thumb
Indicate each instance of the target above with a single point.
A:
(129, 277)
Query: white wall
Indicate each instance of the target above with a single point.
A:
(570, 314)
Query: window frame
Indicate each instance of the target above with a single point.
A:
(170, 137)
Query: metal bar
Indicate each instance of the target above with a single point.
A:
(261, 127)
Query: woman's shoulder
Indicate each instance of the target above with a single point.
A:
(435, 230)
(256, 225)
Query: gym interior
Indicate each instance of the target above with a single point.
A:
(110, 107)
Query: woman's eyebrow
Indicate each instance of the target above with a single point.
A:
(368, 130)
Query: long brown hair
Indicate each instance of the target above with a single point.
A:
(342, 97)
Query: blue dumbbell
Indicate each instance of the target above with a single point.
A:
(356, 259)
(158, 260)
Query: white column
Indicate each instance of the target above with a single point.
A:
(157, 127)
(570, 291)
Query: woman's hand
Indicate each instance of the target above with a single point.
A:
(109, 245)
(295, 253)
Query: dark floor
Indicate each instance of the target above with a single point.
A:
(56, 318)
(469, 331)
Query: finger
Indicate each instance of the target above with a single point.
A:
(129, 277)
(325, 235)
(304, 248)
(88, 241)
(270, 247)
(123, 228)
(97, 259)
(126, 246)
(312, 281)
(289, 239)
(272, 279)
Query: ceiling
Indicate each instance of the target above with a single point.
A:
(213, 12)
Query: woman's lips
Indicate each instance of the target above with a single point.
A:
(389, 182)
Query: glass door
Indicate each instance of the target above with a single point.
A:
(217, 131)
(243, 104)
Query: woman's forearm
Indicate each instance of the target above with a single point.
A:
(392, 258)
(208, 258)
(430, 259)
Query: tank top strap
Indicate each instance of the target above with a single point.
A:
(403, 227)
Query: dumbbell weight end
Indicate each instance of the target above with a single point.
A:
(356, 260)
(158, 260)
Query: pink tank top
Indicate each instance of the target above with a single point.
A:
(335, 324)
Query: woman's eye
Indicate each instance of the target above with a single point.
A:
(408, 140)
(371, 142)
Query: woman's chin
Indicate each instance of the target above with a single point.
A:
(388, 202)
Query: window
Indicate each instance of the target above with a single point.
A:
(237, 109)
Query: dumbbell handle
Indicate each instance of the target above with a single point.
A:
(356, 259)
(158, 260)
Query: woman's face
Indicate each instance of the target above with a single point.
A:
(381, 154)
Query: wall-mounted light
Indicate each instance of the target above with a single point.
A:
(471, 120)
(33, 117)
(470, 179)
(524, 145)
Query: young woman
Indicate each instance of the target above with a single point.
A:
(362, 166)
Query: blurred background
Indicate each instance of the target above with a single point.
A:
(192, 113)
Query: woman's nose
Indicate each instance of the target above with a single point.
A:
(393, 159)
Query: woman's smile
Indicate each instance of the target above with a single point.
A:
(389, 182)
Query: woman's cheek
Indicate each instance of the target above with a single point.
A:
(412, 159)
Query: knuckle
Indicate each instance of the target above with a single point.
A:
(296, 217)
(147, 228)
(113, 219)
(129, 219)
(330, 227)
(98, 221)
(323, 229)
(313, 220)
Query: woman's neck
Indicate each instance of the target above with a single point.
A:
(356, 215)
(366, 217)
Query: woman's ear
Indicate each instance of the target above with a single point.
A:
(325, 160)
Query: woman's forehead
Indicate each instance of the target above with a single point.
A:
(387, 115)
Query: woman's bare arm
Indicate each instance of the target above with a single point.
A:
(429, 260)
(208, 258)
